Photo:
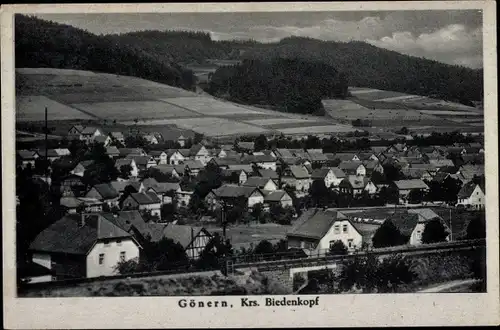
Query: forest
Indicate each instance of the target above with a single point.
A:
(160, 56)
(290, 85)
(40, 43)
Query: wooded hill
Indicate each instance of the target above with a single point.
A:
(41, 43)
(290, 85)
(156, 55)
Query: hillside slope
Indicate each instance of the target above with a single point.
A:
(40, 43)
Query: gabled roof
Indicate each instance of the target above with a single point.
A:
(67, 235)
(123, 161)
(258, 159)
(101, 138)
(164, 168)
(338, 172)
(119, 186)
(112, 150)
(275, 196)
(410, 184)
(467, 189)
(195, 149)
(315, 223)
(245, 167)
(404, 221)
(440, 176)
(425, 214)
(371, 164)
(283, 153)
(70, 202)
(345, 156)
(106, 190)
(441, 162)
(184, 152)
(89, 130)
(149, 182)
(79, 128)
(234, 191)
(130, 151)
(350, 165)
(156, 153)
(317, 157)
(117, 135)
(265, 173)
(182, 234)
(26, 154)
(357, 182)
(256, 181)
(194, 164)
(163, 187)
(142, 160)
(299, 172)
(145, 198)
(320, 173)
(127, 219)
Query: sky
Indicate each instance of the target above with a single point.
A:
(453, 37)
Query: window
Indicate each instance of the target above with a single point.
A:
(106, 243)
(122, 256)
(349, 243)
(119, 242)
(477, 192)
(337, 229)
(344, 228)
(101, 259)
(331, 243)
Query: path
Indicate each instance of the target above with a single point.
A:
(448, 285)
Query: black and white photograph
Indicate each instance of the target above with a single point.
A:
(283, 155)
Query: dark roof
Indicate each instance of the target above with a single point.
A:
(112, 150)
(299, 172)
(338, 172)
(182, 234)
(275, 196)
(156, 153)
(26, 154)
(366, 230)
(106, 190)
(410, 184)
(163, 187)
(89, 130)
(315, 223)
(101, 138)
(404, 221)
(258, 159)
(232, 191)
(141, 160)
(70, 202)
(256, 181)
(68, 236)
(131, 151)
(195, 149)
(345, 156)
(467, 189)
(145, 198)
(350, 165)
(267, 173)
(194, 164)
(127, 219)
(319, 173)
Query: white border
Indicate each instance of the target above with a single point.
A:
(334, 310)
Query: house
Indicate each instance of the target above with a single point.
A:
(439, 163)
(105, 193)
(324, 174)
(404, 187)
(417, 173)
(72, 185)
(373, 166)
(265, 173)
(467, 172)
(175, 157)
(200, 153)
(241, 167)
(353, 168)
(282, 153)
(183, 197)
(246, 147)
(86, 245)
(261, 183)
(181, 140)
(89, 133)
(70, 204)
(472, 195)
(169, 169)
(194, 240)
(112, 152)
(317, 230)
(120, 186)
(261, 161)
(347, 157)
(424, 216)
(51, 154)
(317, 158)
(120, 162)
(150, 138)
(234, 176)
(143, 162)
(165, 191)
(159, 156)
(91, 205)
(25, 157)
(218, 153)
(145, 202)
(355, 185)
(280, 197)
(297, 177)
(117, 136)
(103, 139)
(75, 132)
(193, 166)
(81, 167)
(233, 194)
(131, 152)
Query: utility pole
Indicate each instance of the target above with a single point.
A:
(451, 229)
(46, 148)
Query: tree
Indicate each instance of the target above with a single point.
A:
(387, 235)
(166, 254)
(337, 248)
(125, 171)
(476, 228)
(198, 138)
(434, 232)
(416, 196)
(264, 247)
(258, 212)
(260, 143)
(319, 193)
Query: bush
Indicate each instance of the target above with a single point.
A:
(388, 235)
(338, 248)
(476, 228)
(434, 232)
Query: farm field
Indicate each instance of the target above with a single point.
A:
(133, 109)
(32, 108)
(318, 129)
(208, 106)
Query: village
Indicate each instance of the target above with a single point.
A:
(118, 194)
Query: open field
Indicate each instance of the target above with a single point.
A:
(208, 106)
(133, 109)
(318, 129)
(32, 108)
(247, 235)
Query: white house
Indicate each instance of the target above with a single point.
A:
(200, 153)
(96, 246)
(353, 168)
(278, 197)
(324, 174)
(472, 195)
(159, 156)
(175, 158)
(355, 185)
(424, 216)
(298, 177)
(148, 201)
(194, 240)
(89, 133)
(261, 183)
(183, 197)
(134, 172)
(232, 193)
